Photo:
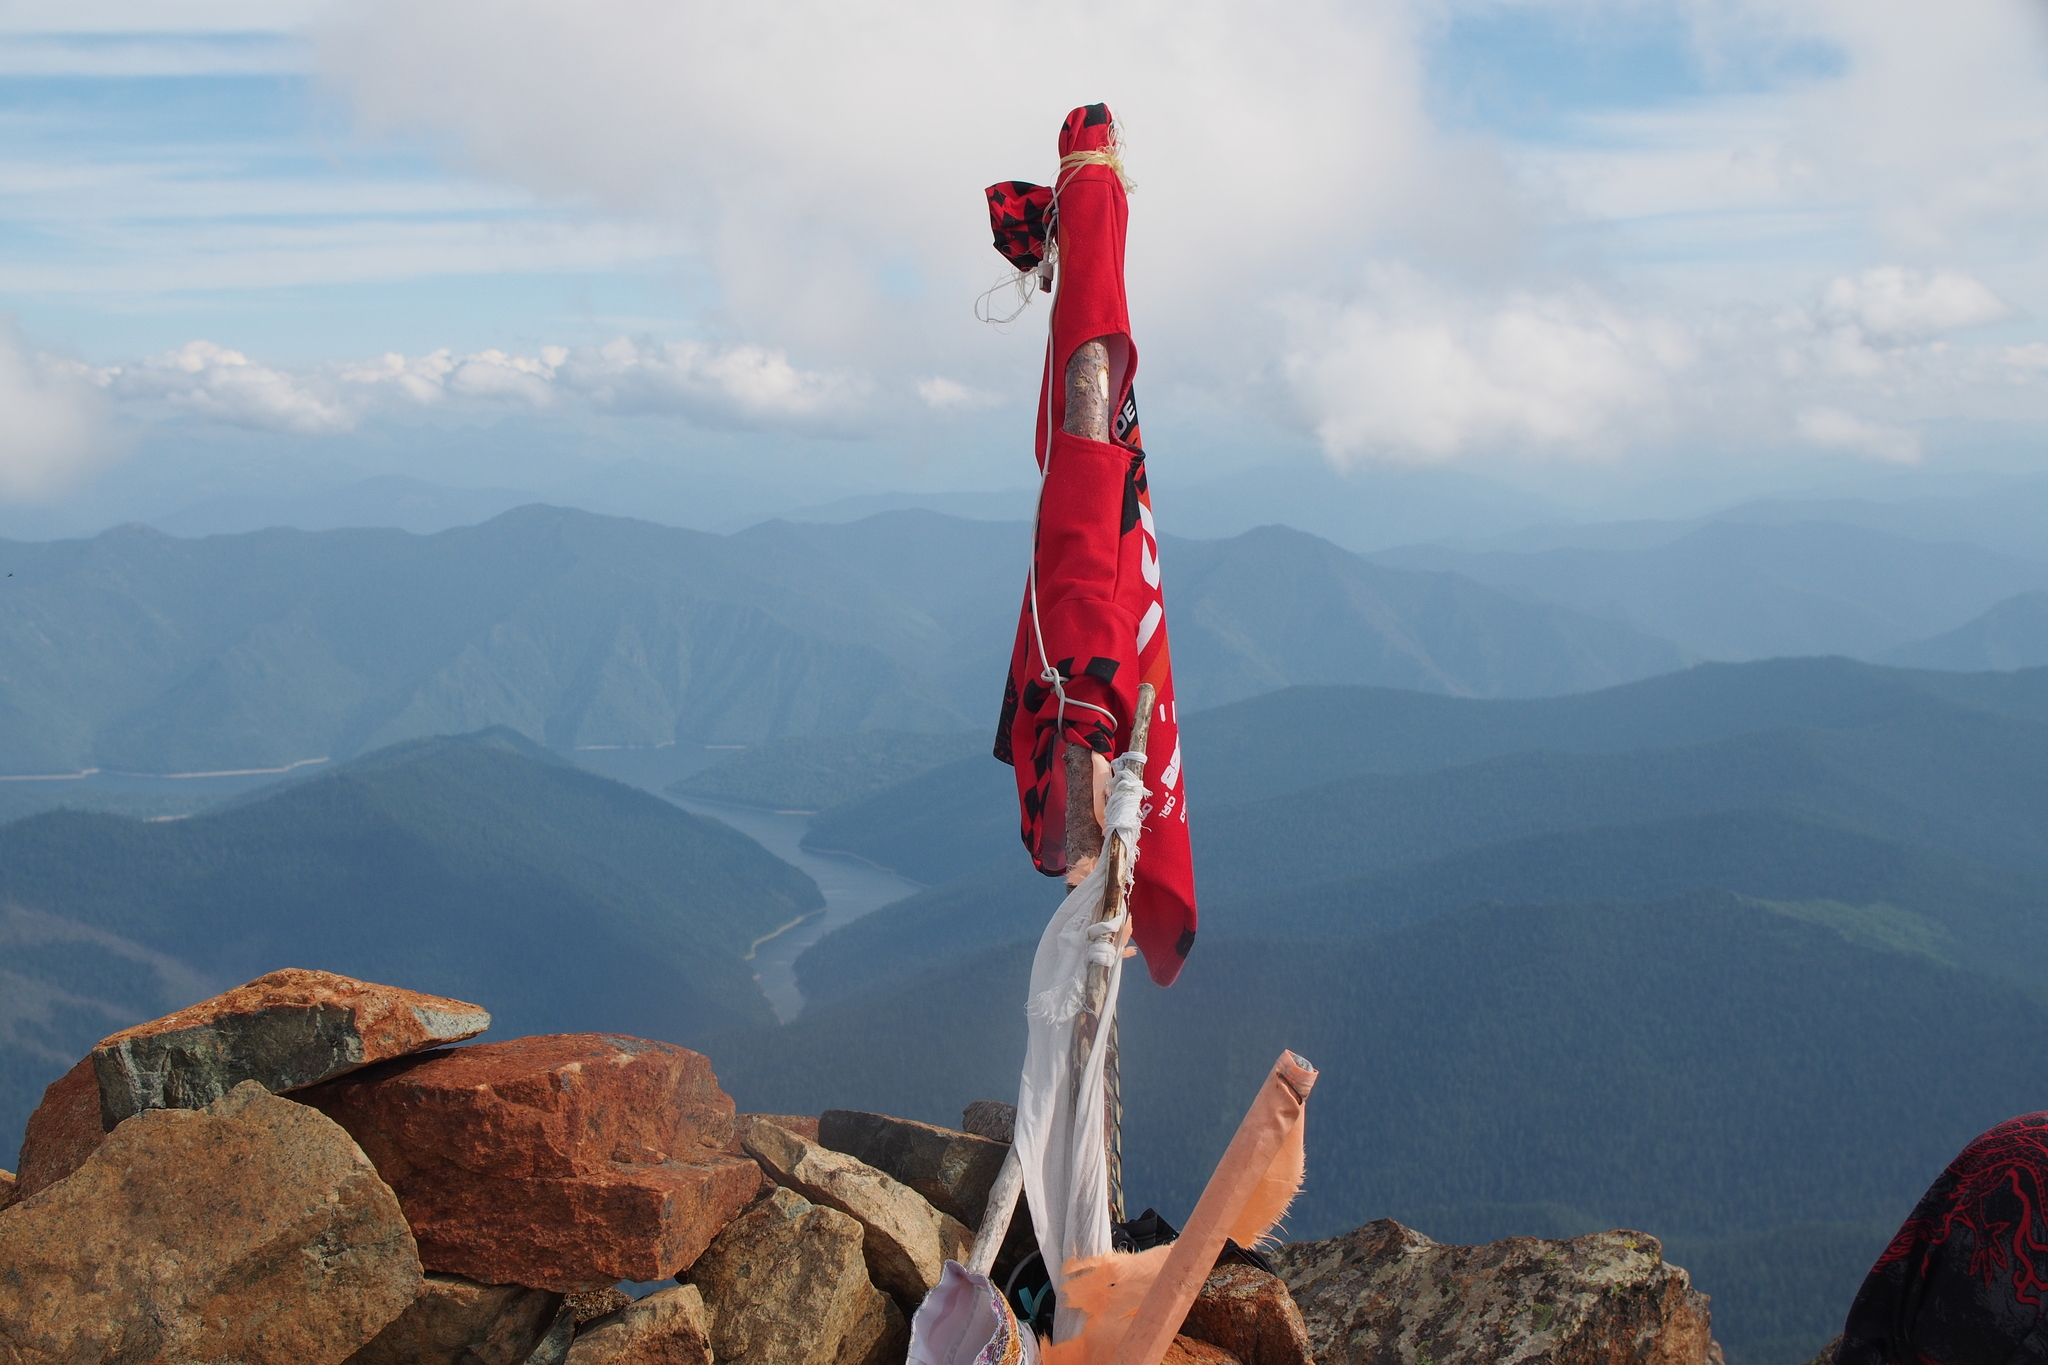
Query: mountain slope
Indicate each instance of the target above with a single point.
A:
(140, 652)
(1879, 891)
(479, 867)
(1734, 591)
(1703, 1067)
(1861, 745)
(1276, 606)
(2012, 634)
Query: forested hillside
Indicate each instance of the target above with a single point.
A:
(479, 867)
(1724, 955)
(1747, 1080)
(140, 652)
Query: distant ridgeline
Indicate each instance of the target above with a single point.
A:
(139, 652)
(1738, 956)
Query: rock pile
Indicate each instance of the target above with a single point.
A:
(303, 1171)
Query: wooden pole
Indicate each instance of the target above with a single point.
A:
(1096, 990)
(1086, 414)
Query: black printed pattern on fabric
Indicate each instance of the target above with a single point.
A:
(1965, 1280)
(1017, 211)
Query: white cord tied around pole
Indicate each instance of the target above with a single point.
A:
(1125, 809)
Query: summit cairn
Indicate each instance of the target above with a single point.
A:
(480, 1205)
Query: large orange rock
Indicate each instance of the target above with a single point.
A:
(1249, 1313)
(564, 1162)
(62, 1132)
(283, 1030)
(251, 1230)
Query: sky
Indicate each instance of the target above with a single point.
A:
(1578, 245)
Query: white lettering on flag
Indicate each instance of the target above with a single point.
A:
(1154, 614)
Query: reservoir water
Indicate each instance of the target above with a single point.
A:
(851, 888)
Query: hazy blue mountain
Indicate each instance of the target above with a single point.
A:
(1276, 606)
(814, 772)
(1967, 784)
(2010, 516)
(480, 867)
(141, 652)
(1304, 736)
(1314, 783)
(2013, 634)
(1368, 508)
(387, 500)
(1707, 1068)
(1739, 591)
(1888, 893)
(135, 650)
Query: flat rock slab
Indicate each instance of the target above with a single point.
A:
(460, 1322)
(1250, 1314)
(1386, 1293)
(952, 1170)
(253, 1229)
(668, 1327)
(787, 1284)
(284, 1030)
(907, 1242)
(992, 1119)
(64, 1130)
(803, 1125)
(566, 1162)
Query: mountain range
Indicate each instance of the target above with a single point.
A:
(1733, 590)
(142, 652)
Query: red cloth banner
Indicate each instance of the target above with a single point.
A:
(1100, 613)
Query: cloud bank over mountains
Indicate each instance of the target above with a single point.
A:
(1359, 224)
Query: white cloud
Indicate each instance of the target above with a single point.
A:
(51, 428)
(950, 395)
(1894, 304)
(225, 386)
(733, 387)
(1418, 375)
(814, 154)
(1833, 429)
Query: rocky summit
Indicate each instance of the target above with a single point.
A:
(302, 1171)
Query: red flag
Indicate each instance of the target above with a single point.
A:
(1100, 619)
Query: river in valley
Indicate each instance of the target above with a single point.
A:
(851, 888)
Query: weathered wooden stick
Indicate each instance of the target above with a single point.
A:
(995, 1217)
(1113, 1124)
(1113, 893)
(1084, 830)
(1087, 411)
(1009, 1183)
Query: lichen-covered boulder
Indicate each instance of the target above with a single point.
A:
(1386, 1293)
(253, 1229)
(1250, 1314)
(282, 1030)
(668, 1327)
(787, 1285)
(953, 1170)
(907, 1241)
